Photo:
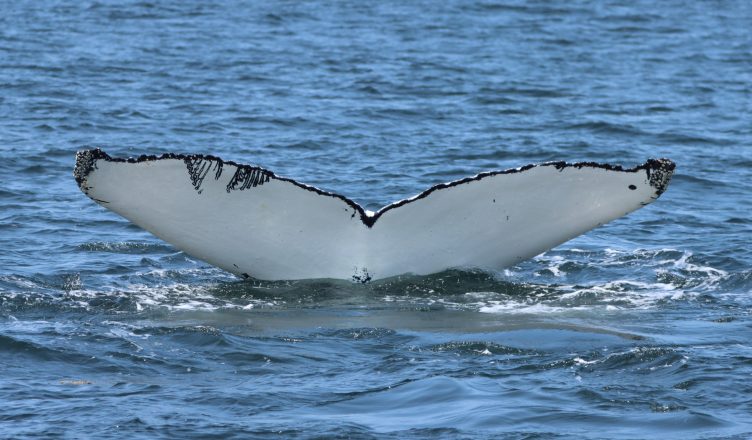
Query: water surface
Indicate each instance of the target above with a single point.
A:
(639, 329)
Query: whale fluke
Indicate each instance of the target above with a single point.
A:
(253, 223)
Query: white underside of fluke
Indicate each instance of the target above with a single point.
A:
(253, 223)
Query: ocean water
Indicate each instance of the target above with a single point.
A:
(638, 329)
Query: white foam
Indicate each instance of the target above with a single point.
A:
(581, 361)
(553, 263)
(610, 296)
(170, 296)
(520, 307)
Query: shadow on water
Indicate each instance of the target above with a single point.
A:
(448, 302)
(447, 284)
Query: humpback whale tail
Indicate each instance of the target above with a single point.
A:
(251, 222)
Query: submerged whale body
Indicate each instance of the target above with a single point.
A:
(253, 223)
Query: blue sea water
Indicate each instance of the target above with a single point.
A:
(639, 329)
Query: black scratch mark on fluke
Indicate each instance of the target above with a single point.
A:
(199, 167)
(248, 177)
(658, 173)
